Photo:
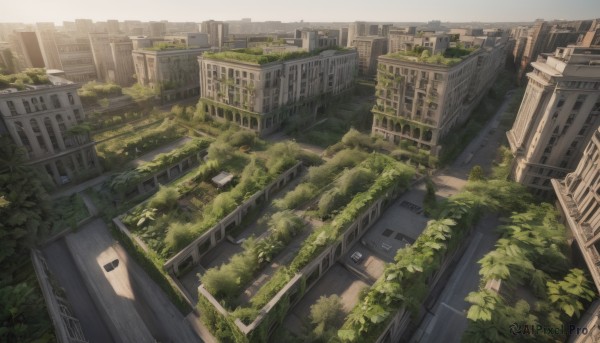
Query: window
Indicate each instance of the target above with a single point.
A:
(26, 105)
(77, 116)
(11, 107)
(71, 99)
(55, 101)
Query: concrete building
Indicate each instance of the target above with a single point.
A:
(578, 200)
(545, 37)
(260, 96)
(43, 119)
(218, 32)
(559, 113)
(369, 48)
(157, 28)
(26, 50)
(592, 37)
(356, 29)
(84, 26)
(189, 39)
(420, 102)
(8, 63)
(173, 72)
(112, 58)
(46, 33)
(112, 27)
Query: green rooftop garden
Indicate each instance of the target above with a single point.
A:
(167, 46)
(257, 56)
(450, 57)
(30, 76)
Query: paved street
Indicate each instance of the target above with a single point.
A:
(449, 319)
(63, 269)
(131, 306)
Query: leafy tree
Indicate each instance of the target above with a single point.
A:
(326, 315)
(476, 174)
(26, 218)
(165, 199)
(568, 293)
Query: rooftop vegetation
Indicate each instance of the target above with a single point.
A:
(167, 46)
(30, 76)
(257, 56)
(450, 57)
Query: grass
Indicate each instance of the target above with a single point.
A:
(256, 55)
(451, 56)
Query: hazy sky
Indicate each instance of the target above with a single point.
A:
(30, 11)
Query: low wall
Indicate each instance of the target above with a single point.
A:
(67, 328)
(191, 255)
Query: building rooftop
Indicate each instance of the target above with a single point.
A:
(30, 79)
(451, 56)
(258, 56)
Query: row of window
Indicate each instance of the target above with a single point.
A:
(36, 104)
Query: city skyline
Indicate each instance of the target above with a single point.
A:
(308, 11)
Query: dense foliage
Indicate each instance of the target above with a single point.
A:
(26, 217)
(30, 76)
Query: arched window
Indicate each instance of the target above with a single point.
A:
(23, 136)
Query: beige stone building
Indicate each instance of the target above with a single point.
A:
(44, 120)
(578, 199)
(171, 71)
(218, 32)
(558, 115)
(419, 102)
(259, 92)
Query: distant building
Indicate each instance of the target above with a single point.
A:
(356, 29)
(218, 32)
(112, 27)
(43, 119)
(172, 71)
(112, 58)
(558, 115)
(158, 29)
(84, 26)
(260, 95)
(419, 102)
(369, 48)
(403, 40)
(26, 49)
(592, 37)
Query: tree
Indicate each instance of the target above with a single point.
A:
(476, 174)
(326, 315)
(567, 294)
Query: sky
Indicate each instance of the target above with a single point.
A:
(30, 11)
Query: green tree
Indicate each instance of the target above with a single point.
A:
(476, 174)
(326, 315)
(568, 294)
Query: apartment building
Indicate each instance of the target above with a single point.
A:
(43, 118)
(408, 39)
(420, 99)
(171, 70)
(218, 32)
(369, 48)
(112, 58)
(259, 92)
(558, 115)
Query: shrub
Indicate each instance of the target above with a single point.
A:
(179, 235)
(242, 137)
(301, 194)
(220, 151)
(284, 225)
(165, 199)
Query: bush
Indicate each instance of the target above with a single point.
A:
(326, 315)
(220, 151)
(285, 225)
(242, 137)
(165, 199)
(179, 235)
(301, 194)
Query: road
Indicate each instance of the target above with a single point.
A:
(131, 306)
(448, 316)
(63, 269)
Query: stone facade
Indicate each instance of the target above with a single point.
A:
(402, 40)
(559, 113)
(421, 102)
(218, 32)
(172, 72)
(259, 97)
(39, 119)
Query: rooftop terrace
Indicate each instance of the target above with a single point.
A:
(450, 57)
(257, 55)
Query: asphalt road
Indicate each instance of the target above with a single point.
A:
(132, 306)
(448, 316)
(65, 272)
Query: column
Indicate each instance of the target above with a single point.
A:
(55, 172)
(46, 137)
